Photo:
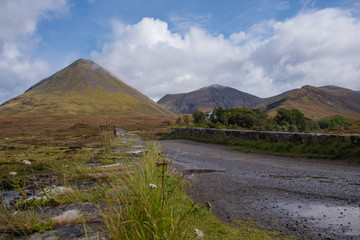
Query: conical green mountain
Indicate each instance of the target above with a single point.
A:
(84, 88)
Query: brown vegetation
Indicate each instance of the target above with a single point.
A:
(84, 129)
(320, 102)
(314, 102)
(82, 88)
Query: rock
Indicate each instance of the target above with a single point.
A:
(69, 232)
(111, 165)
(68, 216)
(93, 160)
(59, 190)
(48, 235)
(134, 152)
(37, 198)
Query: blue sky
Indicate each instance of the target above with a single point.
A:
(262, 47)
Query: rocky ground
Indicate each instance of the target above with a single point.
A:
(77, 220)
(305, 198)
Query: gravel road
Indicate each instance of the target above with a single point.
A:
(305, 198)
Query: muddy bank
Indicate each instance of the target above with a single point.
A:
(307, 198)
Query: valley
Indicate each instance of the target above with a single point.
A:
(59, 136)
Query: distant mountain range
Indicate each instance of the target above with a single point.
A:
(208, 98)
(314, 102)
(83, 88)
(320, 102)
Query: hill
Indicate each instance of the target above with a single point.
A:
(314, 102)
(208, 98)
(83, 88)
(320, 102)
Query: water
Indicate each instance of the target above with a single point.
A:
(8, 196)
(341, 218)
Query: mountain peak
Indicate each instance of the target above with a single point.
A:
(216, 86)
(82, 76)
(85, 62)
(208, 98)
(83, 87)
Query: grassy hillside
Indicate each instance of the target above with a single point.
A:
(82, 88)
(94, 102)
(320, 102)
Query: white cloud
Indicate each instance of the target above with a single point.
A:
(155, 61)
(317, 48)
(18, 22)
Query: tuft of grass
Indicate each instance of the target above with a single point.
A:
(149, 202)
(22, 222)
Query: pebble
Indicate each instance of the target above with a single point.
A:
(68, 216)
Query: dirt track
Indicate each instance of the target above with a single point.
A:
(306, 198)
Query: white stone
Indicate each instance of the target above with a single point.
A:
(111, 165)
(67, 216)
(58, 190)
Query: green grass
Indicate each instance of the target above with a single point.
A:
(44, 159)
(330, 149)
(165, 212)
(129, 207)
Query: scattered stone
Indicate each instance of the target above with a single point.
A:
(59, 190)
(134, 152)
(68, 216)
(93, 162)
(112, 165)
(37, 198)
(69, 232)
(48, 235)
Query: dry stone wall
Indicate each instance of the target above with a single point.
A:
(291, 137)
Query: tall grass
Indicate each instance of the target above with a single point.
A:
(140, 200)
(22, 222)
(149, 202)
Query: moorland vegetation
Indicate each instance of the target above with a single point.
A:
(135, 198)
(291, 120)
(285, 120)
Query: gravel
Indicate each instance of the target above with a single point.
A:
(305, 198)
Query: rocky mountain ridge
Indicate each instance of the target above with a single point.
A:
(315, 102)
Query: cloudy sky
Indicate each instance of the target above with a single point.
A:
(262, 47)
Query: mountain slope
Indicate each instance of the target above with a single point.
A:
(82, 88)
(320, 102)
(208, 98)
(314, 102)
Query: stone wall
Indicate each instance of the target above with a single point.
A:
(292, 137)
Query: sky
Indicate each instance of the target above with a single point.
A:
(262, 47)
